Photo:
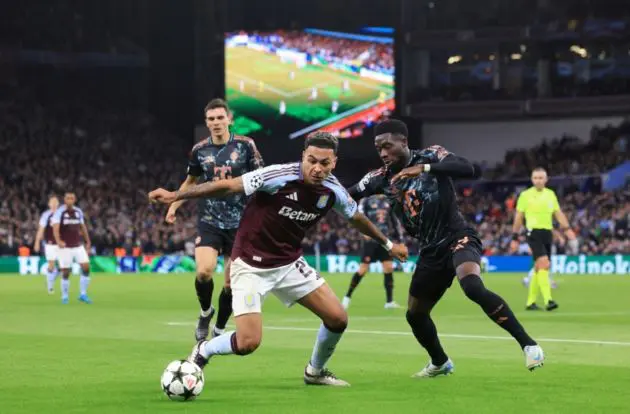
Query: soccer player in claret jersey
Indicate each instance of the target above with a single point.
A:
(377, 209)
(221, 156)
(419, 185)
(71, 233)
(286, 200)
(51, 251)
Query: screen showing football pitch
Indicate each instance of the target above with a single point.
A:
(296, 82)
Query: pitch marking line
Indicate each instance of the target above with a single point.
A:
(468, 316)
(456, 336)
(255, 82)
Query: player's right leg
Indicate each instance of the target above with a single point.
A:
(356, 279)
(225, 300)
(324, 303)
(84, 281)
(225, 297)
(532, 290)
(466, 258)
(540, 243)
(388, 283)
(427, 287)
(208, 245)
(248, 292)
(243, 341)
(51, 252)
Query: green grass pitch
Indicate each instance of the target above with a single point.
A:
(108, 357)
(256, 101)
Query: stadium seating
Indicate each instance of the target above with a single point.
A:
(94, 156)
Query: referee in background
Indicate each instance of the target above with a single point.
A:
(539, 205)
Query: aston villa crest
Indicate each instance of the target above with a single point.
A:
(323, 200)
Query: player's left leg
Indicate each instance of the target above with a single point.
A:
(225, 300)
(388, 283)
(84, 262)
(429, 282)
(323, 303)
(65, 263)
(51, 276)
(356, 279)
(466, 258)
(51, 252)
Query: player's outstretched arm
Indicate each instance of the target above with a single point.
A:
(212, 189)
(441, 162)
(365, 226)
(372, 183)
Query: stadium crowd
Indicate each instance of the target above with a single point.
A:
(377, 57)
(568, 155)
(110, 159)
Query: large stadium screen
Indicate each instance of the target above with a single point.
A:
(307, 80)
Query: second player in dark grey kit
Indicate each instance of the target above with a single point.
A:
(221, 156)
(418, 184)
(378, 210)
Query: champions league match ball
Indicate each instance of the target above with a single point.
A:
(182, 381)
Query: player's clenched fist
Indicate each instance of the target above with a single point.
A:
(170, 216)
(400, 252)
(162, 196)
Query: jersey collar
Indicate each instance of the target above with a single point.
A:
(230, 139)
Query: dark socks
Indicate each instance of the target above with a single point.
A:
(496, 308)
(389, 287)
(356, 279)
(204, 293)
(424, 330)
(225, 308)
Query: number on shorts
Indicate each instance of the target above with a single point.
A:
(302, 268)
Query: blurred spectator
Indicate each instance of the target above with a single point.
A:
(567, 155)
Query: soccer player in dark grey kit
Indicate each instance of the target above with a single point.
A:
(377, 209)
(221, 156)
(286, 200)
(419, 185)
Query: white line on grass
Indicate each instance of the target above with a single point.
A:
(474, 315)
(255, 82)
(457, 336)
(305, 90)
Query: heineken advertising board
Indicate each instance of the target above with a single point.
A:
(585, 265)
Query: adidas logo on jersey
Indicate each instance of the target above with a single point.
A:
(292, 196)
(297, 215)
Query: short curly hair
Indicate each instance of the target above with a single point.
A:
(321, 139)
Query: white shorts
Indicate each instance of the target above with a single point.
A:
(68, 255)
(51, 251)
(289, 283)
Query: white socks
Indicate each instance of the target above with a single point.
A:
(50, 279)
(84, 282)
(324, 348)
(220, 345)
(65, 287)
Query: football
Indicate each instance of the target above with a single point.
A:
(182, 380)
